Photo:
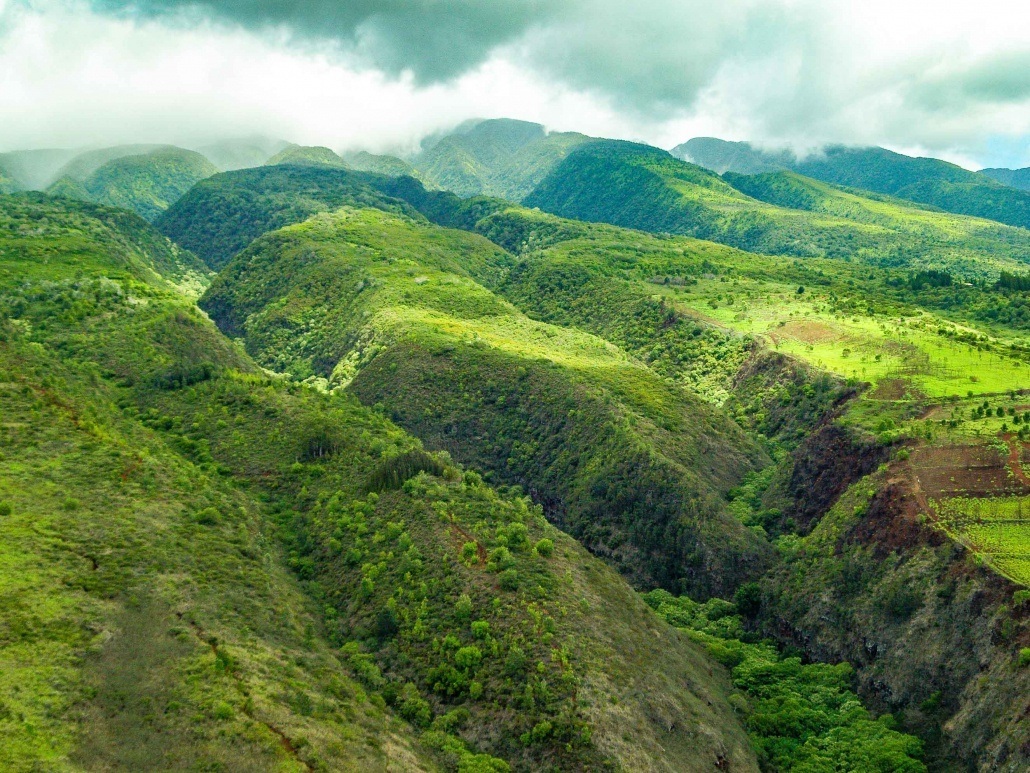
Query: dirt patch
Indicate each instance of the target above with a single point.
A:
(975, 471)
(808, 332)
(893, 521)
(892, 389)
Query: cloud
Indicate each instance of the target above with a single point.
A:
(954, 81)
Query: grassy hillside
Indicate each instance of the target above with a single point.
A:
(642, 187)
(631, 466)
(300, 155)
(148, 184)
(33, 169)
(925, 180)
(1014, 178)
(223, 214)
(502, 157)
(429, 622)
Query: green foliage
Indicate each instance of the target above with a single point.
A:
(147, 184)
(297, 155)
(800, 717)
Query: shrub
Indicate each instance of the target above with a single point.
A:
(480, 629)
(509, 579)
(387, 623)
(1024, 657)
(468, 657)
(414, 707)
(463, 607)
(748, 599)
(544, 547)
(5, 509)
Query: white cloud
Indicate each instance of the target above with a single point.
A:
(949, 79)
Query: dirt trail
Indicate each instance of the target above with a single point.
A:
(1015, 451)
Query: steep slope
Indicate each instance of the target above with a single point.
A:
(501, 157)
(300, 155)
(148, 184)
(68, 188)
(7, 183)
(642, 187)
(1014, 178)
(630, 465)
(925, 180)
(223, 214)
(430, 623)
(129, 641)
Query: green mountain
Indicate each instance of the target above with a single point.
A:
(274, 577)
(147, 184)
(224, 213)
(924, 180)
(363, 161)
(633, 468)
(68, 188)
(7, 183)
(500, 157)
(300, 155)
(638, 186)
(1014, 178)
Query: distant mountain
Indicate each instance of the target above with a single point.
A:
(1014, 178)
(502, 157)
(638, 186)
(148, 184)
(242, 153)
(723, 156)
(83, 164)
(391, 166)
(301, 155)
(7, 183)
(68, 188)
(32, 170)
(925, 180)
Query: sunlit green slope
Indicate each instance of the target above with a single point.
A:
(642, 187)
(632, 466)
(153, 477)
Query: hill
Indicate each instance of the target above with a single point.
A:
(147, 184)
(924, 180)
(363, 161)
(223, 214)
(299, 155)
(633, 468)
(641, 187)
(501, 157)
(84, 164)
(1014, 178)
(276, 577)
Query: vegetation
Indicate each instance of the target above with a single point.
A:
(151, 473)
(800, 717)
(223, 214)
(145, 184)
(1014, 178)
(387, 306)
(641, 187)
(502, 157)
(299, 155)
(925, 180)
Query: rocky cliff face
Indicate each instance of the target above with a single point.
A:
(934, 637)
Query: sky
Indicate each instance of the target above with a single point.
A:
(947, 79)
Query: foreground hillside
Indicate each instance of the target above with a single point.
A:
(156, 487)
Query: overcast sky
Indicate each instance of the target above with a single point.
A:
(941, 78)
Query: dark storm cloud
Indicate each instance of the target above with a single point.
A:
(435, 39)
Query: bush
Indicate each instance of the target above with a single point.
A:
(544, 547)
(5, 509)
(463, 607)
(1024, 657)
(480, 629)
(748, 599)
(509, 579)
(468, 657)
